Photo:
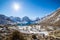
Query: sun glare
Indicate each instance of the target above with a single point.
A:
(16, 6)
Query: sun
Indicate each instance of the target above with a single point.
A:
(16, 6)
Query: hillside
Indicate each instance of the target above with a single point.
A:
(52, 19)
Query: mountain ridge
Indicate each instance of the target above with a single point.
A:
(52, 19)
(13, 20)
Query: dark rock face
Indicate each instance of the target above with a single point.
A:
(34, 37)
(16, 35)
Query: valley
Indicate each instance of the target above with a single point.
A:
(48, 28)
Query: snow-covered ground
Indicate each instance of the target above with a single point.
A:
(32, 30)
(35, 29)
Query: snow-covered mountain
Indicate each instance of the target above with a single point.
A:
(15, 19)
(52, 19)
(23, 21)
(37, 19)
(4, 19)
(25, 18)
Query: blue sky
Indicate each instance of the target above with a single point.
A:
(30, 8)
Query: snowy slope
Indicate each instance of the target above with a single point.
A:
(52, 18)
